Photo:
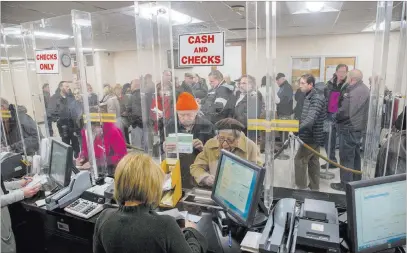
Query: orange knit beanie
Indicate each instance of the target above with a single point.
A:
(186, 102)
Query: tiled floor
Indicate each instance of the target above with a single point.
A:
(284, 176)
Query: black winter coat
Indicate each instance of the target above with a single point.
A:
(246, 109)
(219, 103)
(313, 115)
(134, 109)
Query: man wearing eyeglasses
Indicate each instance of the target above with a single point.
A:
(230, 137)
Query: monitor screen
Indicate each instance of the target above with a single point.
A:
(58, 166)
(237, 186)
(380, 214)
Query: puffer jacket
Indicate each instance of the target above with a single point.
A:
(8, 244)
(311, 130)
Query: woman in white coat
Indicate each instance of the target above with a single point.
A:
(11, 192)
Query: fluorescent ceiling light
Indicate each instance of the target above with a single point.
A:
(51, 35)
(17, 32)
(87, 49)
(372, 27)
(315, 7)
(12, 58)
(177, 18)
(7, 45)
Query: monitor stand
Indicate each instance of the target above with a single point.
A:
(225, 221)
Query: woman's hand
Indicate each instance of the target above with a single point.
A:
(25, 180)
(31, 191)
(189, 224)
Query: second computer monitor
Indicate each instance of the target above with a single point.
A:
(377, 213)
(61, 163)
(237, 187)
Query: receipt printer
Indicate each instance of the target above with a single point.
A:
(318, 226)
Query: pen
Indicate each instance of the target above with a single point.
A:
(230, 238)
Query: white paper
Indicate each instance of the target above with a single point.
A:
(168, 183)
(184, 142)
(194, 218)
(251, 241)
(40, 202)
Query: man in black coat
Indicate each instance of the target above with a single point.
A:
(248, 105)
(135, 115)
(60, 111)
(47, 96)
(188, 121)
(311, 133)
(333, 90)
(218, 104)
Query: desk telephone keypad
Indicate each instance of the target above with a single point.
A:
(84, 208)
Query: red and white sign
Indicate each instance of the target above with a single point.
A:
(202, 49)
(47, 61)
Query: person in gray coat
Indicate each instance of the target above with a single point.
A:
(10, 193)
(351, 120)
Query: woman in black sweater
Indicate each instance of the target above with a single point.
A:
(134, 227)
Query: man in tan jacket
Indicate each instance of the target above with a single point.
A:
(230, 137)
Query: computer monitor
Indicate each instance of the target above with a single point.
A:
(61, 163)
(237, 187)
(376, 210)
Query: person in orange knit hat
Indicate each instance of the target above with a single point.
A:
(188, 121)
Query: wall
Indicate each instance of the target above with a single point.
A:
(359, 45)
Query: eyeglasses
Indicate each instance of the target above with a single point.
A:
(222, 139)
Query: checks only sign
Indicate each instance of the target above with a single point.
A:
(202, 49)
(47, 61)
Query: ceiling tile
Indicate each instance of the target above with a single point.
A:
(315, 19)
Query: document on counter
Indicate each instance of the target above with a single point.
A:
(250, 242)
(184, 143)
(176, 214)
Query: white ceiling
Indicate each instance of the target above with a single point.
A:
(114, 27)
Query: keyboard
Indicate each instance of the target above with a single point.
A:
(84, 208)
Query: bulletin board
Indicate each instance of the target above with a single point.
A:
(306, 65)
(332, 62)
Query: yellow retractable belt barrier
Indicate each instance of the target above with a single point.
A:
(5, 114)
(326, 159)
(100, 117)
(282, 125)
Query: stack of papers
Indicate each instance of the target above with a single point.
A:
(167, 183)
(176, 214)
(184, 143)
(250, 242)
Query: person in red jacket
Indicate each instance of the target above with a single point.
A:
(109, 147)
(157, 109)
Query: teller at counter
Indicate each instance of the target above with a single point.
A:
(134, 226)
(230, 137)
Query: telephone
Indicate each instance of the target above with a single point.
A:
(277, 235)
(62, 198)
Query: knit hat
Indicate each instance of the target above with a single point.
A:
(186, 102)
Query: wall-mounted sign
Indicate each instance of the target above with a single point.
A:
(47, 61)
(202, 49)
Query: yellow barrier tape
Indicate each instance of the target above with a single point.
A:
(273, 125)
(5, 114)
(100, 117)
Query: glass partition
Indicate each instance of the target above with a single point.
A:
(20, 132)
